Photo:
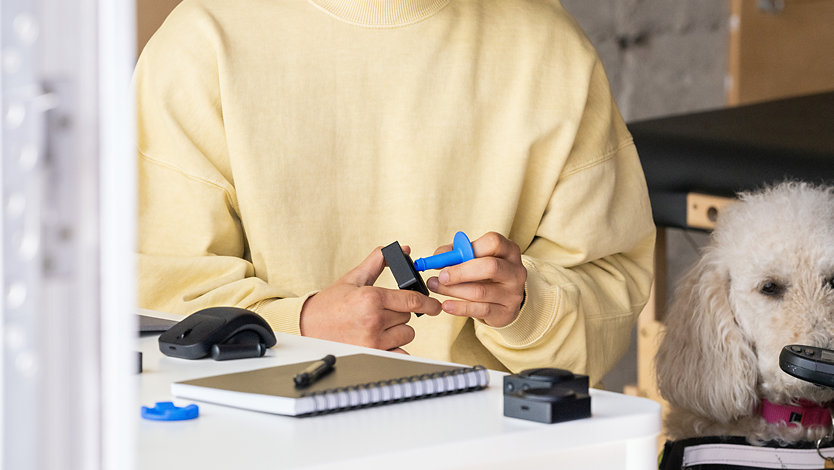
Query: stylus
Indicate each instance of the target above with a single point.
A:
(314, 371)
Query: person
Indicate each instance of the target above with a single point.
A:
(282, 143)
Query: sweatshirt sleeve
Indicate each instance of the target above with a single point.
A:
(590, 260)
(191, 259)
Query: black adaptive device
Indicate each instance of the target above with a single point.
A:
(222, 332)
(547, 395)
(809, 363)
(403, 270)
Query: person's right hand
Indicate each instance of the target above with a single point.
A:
(353, 311)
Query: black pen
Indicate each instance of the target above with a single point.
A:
(314, 371)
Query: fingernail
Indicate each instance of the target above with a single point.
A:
(432, 283)
(443, 276)
(448, 307)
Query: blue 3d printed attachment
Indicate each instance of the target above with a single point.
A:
(461, 252)
(166, 411)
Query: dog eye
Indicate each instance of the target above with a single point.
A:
(771, 288)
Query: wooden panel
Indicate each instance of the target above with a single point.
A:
(775, 54)
(149, 15)
(702, 209)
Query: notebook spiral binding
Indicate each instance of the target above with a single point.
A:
(397, 390)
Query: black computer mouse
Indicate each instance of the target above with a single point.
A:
(222, 332)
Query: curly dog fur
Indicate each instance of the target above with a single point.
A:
(765, 280)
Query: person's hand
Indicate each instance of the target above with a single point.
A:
(490, 286)
(353, 311)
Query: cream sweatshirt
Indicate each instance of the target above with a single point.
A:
(281, 141)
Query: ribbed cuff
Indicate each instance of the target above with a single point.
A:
(537, 314)
(283, 315)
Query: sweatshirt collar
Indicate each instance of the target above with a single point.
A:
(381, 13)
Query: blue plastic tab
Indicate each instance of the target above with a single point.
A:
(166, 411)
(461, 252)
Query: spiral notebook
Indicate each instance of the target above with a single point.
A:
(357, 381)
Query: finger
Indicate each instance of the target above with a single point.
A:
(396, 336)
(497, 245)
(443, 249)
(410, 301)
(481, 269)
(463, 308)
(490, 292)
(494, 315)
(367, 272)
(391, 318)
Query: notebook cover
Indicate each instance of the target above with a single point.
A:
(272, 389)
(148, 324)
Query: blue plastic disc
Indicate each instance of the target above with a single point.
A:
(462, 244)
(461, 252)
(166, 411)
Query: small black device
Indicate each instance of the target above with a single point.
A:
(809, 363)
(314, 371)
(222, 332)
(547, 395)
(403, 270)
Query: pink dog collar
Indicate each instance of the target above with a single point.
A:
(806, 413)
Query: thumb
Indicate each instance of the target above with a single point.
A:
(366, 273)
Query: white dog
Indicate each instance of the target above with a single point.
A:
(765, 281)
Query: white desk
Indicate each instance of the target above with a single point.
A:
(456, 431)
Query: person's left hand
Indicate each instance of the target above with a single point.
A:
(490, 286)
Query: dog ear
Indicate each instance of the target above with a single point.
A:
(704, 363)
